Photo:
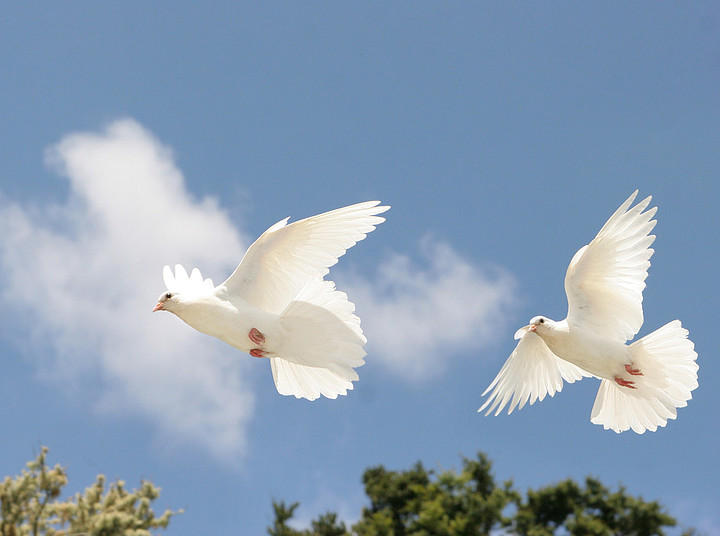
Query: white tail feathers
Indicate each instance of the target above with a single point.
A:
(307, 382)
(324, 344)
(666, 358)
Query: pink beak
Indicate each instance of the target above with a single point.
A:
(532, 327)
(158, 307)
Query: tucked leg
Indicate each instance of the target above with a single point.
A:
(633, 371)
(625, 383)
(256, 337)
(257, 352)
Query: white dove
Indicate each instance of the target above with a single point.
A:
(276, 304)
(643, 383)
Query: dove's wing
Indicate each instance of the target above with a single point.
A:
(606, 278)
(285, 257)
(531, 372)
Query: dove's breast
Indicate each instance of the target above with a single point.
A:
(600, 356)
(231, 323)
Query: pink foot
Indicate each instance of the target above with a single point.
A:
(256, 337)
(633, 371)
(257, 352)
(625, 383)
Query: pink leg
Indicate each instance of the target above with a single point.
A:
(624, 383)
(257, 352)
(633, 371)
(256, 337)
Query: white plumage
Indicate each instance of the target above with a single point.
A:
(642, 384)
(277, 304)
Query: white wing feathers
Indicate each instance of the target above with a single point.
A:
(531, 372)
(606, 278)
(285, 257)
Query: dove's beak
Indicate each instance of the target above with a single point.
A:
(531, 327)
(158, 307)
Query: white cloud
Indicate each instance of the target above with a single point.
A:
(85, 275)
(418, 317)
(81, 277)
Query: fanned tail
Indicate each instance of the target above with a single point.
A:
(324, 344)
(666, 358)
(307, 382)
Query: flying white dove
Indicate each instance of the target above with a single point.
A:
(643, 383)
(277, 305)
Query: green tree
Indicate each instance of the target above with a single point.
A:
(421, 502)
(30, 506)
(591, 510)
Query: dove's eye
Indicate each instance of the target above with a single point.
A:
(168, 295)
(542, 320)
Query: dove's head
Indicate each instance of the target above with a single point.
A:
(182, 288)
(538, 325)
(166, 302)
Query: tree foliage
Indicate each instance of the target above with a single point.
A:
(421, 502)
(30, 505)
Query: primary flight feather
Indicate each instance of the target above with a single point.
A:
(642, 384)
(277, 304)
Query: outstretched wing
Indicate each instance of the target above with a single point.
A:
(531, 372)
(606, 278)
(285, 257)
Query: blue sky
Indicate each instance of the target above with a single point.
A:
(140, 134)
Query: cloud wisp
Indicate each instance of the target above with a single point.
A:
(85, 275)
(417, 317)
